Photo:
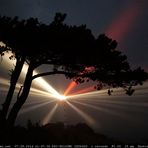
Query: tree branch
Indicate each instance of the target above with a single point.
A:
(50, 73)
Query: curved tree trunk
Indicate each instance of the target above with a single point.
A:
(21, 99)
(14, 78)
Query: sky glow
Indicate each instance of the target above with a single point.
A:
(126, 20)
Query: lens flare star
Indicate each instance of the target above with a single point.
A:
(73, 100)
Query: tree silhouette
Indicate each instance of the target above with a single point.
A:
(72, 50)
(8, 32)
(16, 35)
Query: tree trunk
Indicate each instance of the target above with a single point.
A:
(21, 100)
(14, 78)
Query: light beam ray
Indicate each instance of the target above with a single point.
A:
(108, 111)
(25, 110)
(49, 116)
(86, 117)
(73, 84)
(99, 94)
(30, 103)
(124, 22)
(4, 81)
(39, 82)
(33, 91)
(139, 106)
(84, 90)
(121, 103)
(70, 87)
(88, 94)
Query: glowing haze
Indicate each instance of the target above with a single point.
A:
(123, 23)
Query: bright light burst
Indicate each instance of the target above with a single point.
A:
(78, 97)
(61, 97)
(38, 82)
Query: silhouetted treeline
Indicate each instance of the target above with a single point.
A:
(54, 133)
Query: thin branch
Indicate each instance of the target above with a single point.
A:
(18, 95)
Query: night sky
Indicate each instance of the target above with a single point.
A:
(126, 18)
(126, 21)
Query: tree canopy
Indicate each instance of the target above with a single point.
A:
(72, 50)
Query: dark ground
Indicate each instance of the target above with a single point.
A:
(54, 133)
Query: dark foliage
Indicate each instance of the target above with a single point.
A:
(70, 48)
